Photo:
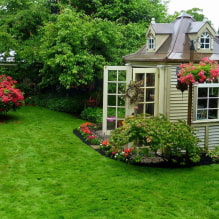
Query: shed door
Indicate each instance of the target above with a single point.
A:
(149, 102)
(116, 80)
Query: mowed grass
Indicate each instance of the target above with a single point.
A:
(47, 172)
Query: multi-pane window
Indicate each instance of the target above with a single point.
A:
(151, 42)
(116, 80)
(205, 41)
(148, 101)
(207, 101)
(115, 97)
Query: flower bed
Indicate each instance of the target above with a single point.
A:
(87, 131)
(145, 149)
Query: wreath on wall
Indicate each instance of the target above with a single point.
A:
(135, 92)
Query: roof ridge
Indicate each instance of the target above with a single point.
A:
(172, 45)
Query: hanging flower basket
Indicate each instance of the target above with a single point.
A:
(206, 71)
(135, 92)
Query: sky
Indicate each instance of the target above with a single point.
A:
(210, 8)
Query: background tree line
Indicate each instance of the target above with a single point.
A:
(62, 46)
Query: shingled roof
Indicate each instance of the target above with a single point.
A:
(176, 47)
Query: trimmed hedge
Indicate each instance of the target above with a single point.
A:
(73, 104)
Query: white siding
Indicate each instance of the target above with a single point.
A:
(213, 136)
(178, 101)
(208, 133)
(200, 133)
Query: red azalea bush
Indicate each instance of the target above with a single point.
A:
(10, 97)
(206, 70)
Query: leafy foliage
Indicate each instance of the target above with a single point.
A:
(75, 48)
(92, 114)
(156, 136)
(69, 42)
(214, 153)
(95, 114)
(71, 104)
(125, 12)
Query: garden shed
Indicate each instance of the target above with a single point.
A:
(148, 80)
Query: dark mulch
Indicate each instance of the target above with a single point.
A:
(155, 161)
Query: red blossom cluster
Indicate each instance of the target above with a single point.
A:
(10, 97)
(206, 70)
(105, 142)
(86, 131)
(125, 152)
(128, 152)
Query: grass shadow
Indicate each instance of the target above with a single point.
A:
(5, 118)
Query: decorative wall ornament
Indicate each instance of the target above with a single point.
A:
(135, 92)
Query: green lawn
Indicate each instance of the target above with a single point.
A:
(47, 172)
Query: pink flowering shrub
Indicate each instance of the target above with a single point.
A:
(10, 96)
(86, 130)
(206, 70)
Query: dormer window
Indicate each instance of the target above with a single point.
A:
(205, 41)
(151, 42)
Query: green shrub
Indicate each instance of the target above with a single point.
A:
(214, 154)
(156, 136)
(92, 114)
(62, 104)
(95, 114)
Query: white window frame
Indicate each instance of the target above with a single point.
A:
(151, 42)
(196, 116)
(106, 94)
(146, 71)
(205, 36)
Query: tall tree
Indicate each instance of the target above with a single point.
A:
(70, 41)
(75, 48)
(124, 11)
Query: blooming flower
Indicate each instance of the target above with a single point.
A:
(105, 142)
(206, 70)
(148, 139)
(111, 119)
(10, 97)
(88, 134)
(92, 136)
